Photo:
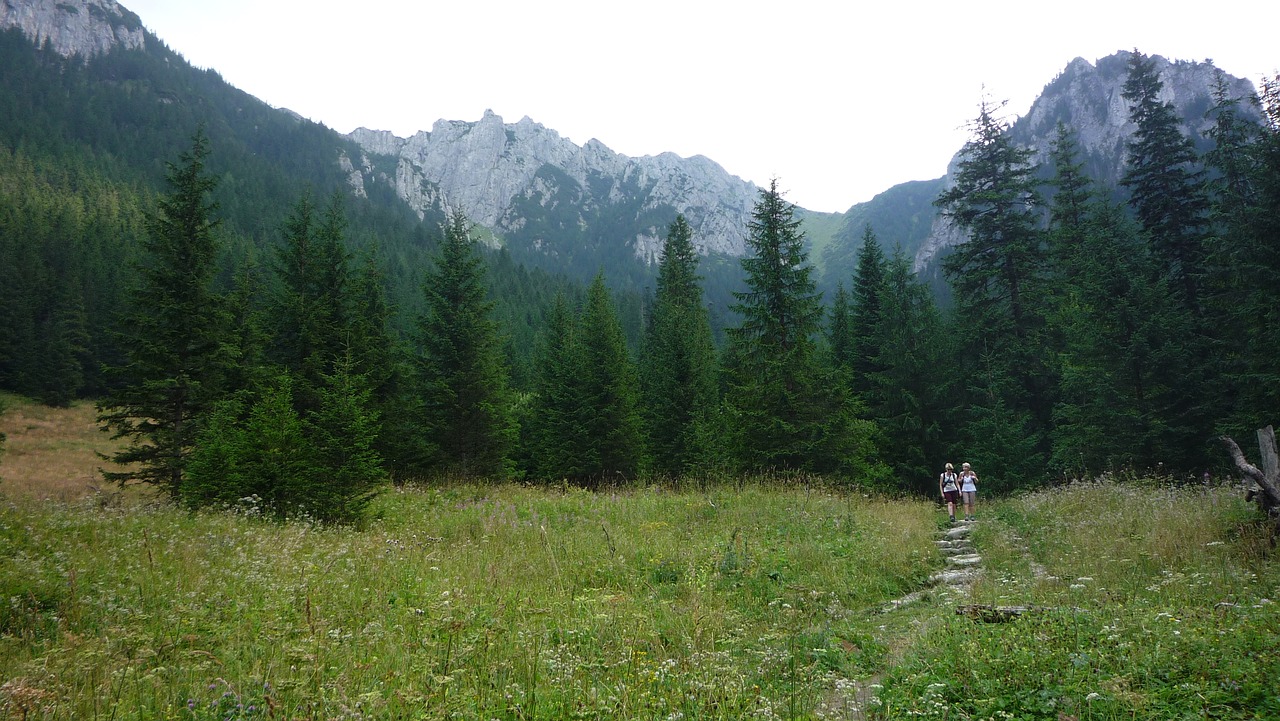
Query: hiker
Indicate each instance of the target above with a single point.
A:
(968, 490)
(949, 487)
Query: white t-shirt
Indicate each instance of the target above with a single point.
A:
(949, 481)
(968, 485)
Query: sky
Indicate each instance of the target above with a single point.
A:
(837, 100)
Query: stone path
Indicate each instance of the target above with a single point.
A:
(850, 698)
(963, 564)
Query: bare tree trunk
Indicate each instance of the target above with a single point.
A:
(1268, 477)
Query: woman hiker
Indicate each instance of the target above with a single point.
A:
(949, 487)
(968, 491)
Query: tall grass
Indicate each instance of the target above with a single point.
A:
(1151, 601)
(466, 602)
(764, 599)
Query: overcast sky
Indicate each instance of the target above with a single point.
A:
(838, 100)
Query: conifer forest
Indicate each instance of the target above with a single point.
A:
(247, 336)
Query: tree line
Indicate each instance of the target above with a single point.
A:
(1086, 336)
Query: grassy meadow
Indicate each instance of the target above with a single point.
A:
(768, 599)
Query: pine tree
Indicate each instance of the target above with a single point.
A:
(840, 334)
(865, 318)
(343, 432)
(612, 426)
(679, 361)
(467, 410)
(64, 338)
(787, 411)
(311, 311)
(1167, 189)
(1254, 266)
(907, 392)
(1169, 198)
(1119, 338)
(556, 433)
(1069, 212)
(379, 357)
(1123, 357)
(998, 275)
(176, 338)
(1230, 251)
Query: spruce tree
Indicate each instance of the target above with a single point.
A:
(612, 426)
(343, 433)
(556, 433)
(1255, 266)
(679, 361)
(998, 278)
(467, 411)
(840, 334)
(1123, 356)
(379, 357)
(1170, 201)
(1166, 186)
(175, 334)
(312, 308)
(907, 392)
(865, 313)
(786, 410)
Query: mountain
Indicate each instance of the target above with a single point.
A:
(549, 202)
(1085, 96)
(542, 191)
(85, 28)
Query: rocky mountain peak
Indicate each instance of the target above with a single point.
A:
(1089, 98)
(74, 27)
(524, 181)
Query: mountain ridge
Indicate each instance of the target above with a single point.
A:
(485, 166)
(565, 206)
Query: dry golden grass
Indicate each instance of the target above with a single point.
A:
(51, 453)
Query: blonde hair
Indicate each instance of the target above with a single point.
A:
(950, 467)
(964, 465)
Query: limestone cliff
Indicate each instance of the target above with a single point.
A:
(1089, 98)
(499, 173)
(74, 27)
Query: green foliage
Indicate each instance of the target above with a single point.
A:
(1244, 261)
(998, 279)
(176, 337)
(466, 408)
(612, 443)
(271, 460)
(786, 410)
(555, 431)
(866, 316)
(263, 463)
(343, 433)
(678, 363)
(907, 392)
(1167, 190)
(312, 305)
(586, 422)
